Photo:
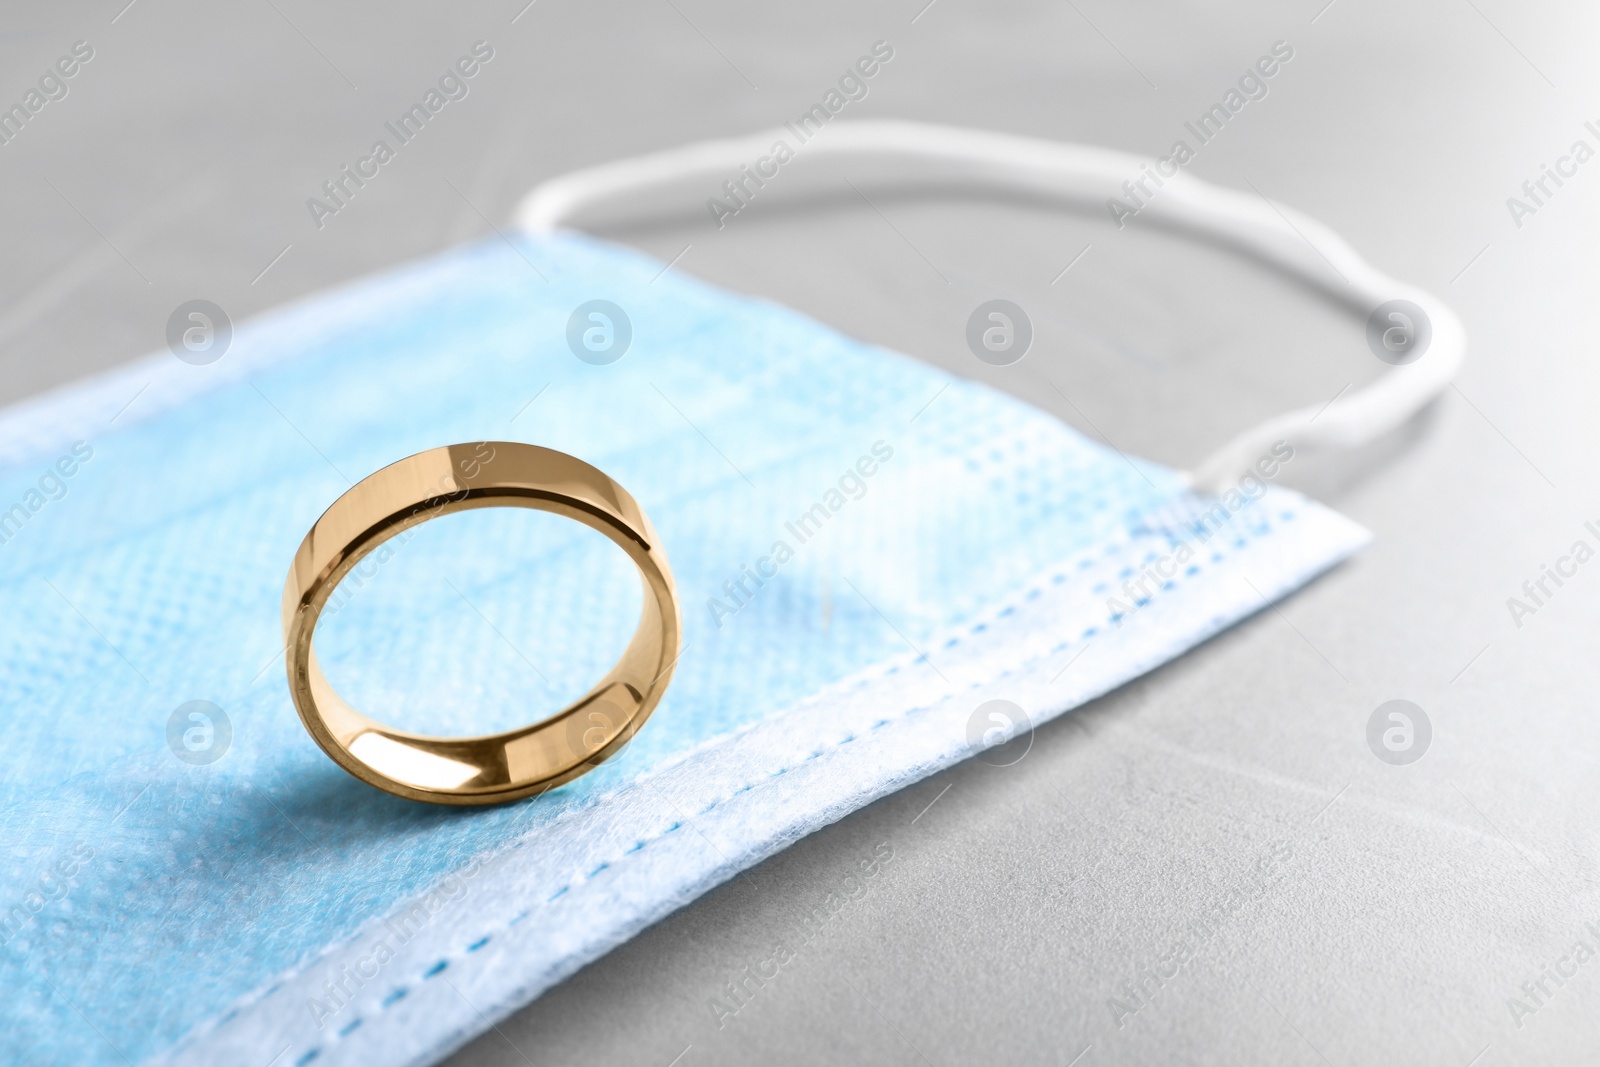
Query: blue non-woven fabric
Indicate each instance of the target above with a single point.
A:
(160, 908)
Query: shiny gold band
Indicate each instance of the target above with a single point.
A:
(497, 767)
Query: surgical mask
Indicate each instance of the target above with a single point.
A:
(870, 554)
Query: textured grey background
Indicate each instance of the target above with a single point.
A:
(1375, 913)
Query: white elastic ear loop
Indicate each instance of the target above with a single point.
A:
(1088, 175)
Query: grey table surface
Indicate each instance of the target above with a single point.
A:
(1363, 912)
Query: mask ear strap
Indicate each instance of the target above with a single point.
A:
(1082, 174)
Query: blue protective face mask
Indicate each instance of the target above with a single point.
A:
(864, 575)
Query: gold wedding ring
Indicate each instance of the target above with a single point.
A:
(497, 767)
